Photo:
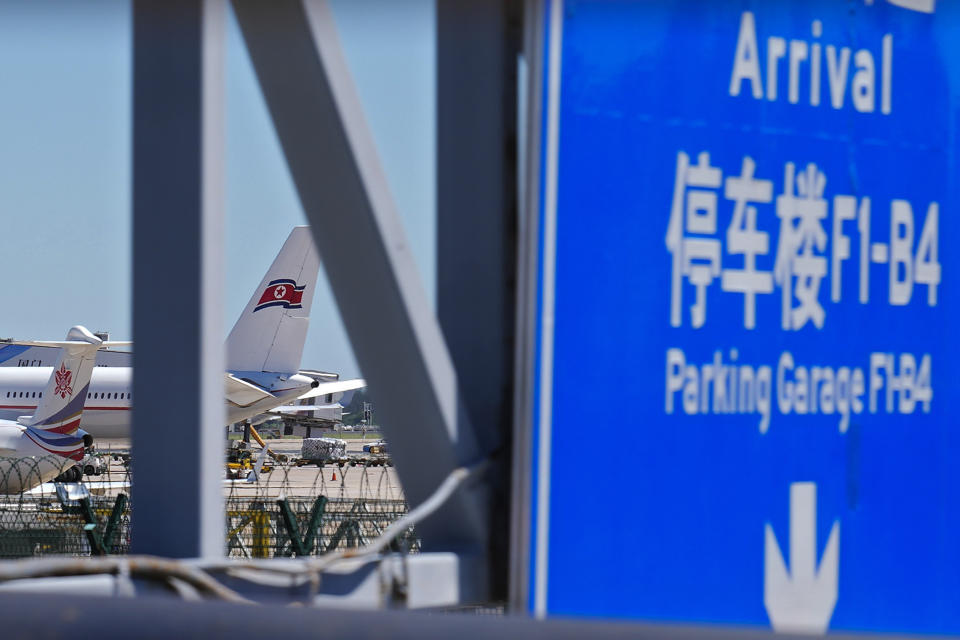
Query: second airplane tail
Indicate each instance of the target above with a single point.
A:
(61, 402)
(271, 331)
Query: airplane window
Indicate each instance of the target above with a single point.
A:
(114, 396)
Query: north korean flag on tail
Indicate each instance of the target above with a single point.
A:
(281, 293)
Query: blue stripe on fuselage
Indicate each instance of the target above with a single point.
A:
(11, 351)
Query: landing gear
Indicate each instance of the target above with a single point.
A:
(73, 474)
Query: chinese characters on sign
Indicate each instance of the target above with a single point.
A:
(803, 248)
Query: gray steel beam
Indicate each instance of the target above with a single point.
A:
(396, 338)
(528, 150)
(164, 618)
(478, 43)
(177, 425)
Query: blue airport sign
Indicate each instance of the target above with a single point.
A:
(745, 220)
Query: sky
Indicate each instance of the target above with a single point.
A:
(65, 173)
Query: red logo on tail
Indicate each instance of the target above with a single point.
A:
(281, 293)
(62, 378)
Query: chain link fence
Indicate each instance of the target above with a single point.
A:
(288, 511)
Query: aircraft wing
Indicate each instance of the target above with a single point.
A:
(293, 408)
(242, 393)
(335, 387)
(59, 344)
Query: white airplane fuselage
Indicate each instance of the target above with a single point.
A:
(24, 462)
(106, 412)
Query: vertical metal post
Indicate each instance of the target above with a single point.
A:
(177, 277)
(478, 43)
(529, 144)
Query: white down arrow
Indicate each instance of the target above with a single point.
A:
(803, 599)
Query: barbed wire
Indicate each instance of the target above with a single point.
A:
(289, 510)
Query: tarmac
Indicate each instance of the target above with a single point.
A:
(278, 480)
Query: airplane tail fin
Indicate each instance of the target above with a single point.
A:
(61, 402)
(271, 331)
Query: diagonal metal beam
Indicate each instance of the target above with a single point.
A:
(331, 155)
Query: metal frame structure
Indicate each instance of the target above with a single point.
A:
(178, 202)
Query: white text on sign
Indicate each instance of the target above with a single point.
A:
(802, 259)
(889, 383)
